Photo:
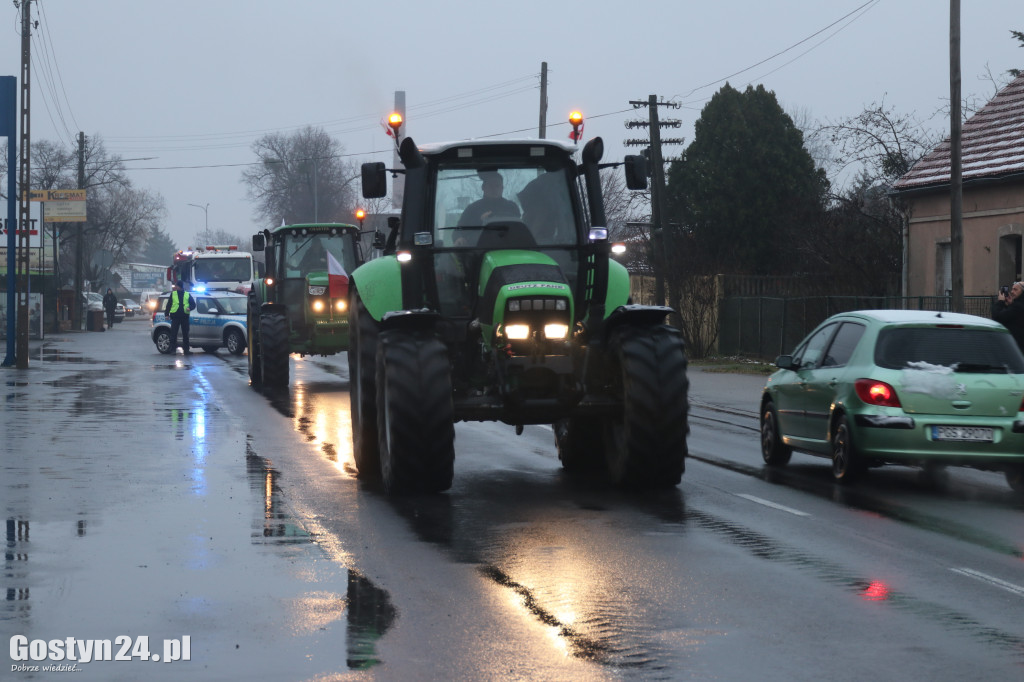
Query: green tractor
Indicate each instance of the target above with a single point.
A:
(496, 299)
(301, 304)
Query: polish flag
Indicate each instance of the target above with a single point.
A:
(337, 278)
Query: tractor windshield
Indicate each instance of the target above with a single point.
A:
(500, 202)
(305, 253)
(470, 201)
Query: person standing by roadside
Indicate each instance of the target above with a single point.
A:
(110, 305)
(178, 308)
(1008, 310)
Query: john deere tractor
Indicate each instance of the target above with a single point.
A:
(293, 309)
(498, 301)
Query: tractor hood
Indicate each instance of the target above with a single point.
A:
(532, 279)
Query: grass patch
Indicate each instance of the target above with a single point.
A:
(734, 365)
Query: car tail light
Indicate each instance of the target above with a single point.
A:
(875, 392)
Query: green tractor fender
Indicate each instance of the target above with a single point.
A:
(379, 283)
(618, 288)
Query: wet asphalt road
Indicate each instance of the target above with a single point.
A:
(159, 496)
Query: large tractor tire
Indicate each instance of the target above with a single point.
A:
(414, 413)
(579, 444)
(646, 441)
(252, 324)
(362, 382)
(274, 349)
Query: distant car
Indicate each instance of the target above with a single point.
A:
(119, 313)
(905, 387)
(131, 308)
(93, 300)
(218, 321)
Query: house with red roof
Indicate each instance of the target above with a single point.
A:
(992, 153)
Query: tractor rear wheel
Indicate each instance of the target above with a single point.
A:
(646, 440)
(362, 382)
(274, 349)
(414, 413)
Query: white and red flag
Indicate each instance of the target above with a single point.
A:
(337, 278)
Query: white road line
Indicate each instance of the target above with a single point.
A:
(1009, 587)
(766, 503)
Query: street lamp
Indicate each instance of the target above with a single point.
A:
(206, 213)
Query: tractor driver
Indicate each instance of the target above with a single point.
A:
(492, 205)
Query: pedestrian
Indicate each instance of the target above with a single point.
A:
(178, 308)
(1008, 310)
(110, 305)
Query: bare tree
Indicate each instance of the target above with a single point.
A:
(301, 177)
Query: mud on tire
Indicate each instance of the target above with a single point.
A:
(416, 432)
(646, 441)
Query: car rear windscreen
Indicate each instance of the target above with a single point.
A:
(972, 350)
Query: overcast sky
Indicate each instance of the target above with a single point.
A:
(192, 84)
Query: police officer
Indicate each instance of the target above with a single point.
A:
(178, 308)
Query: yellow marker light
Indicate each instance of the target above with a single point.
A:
(341, 305)
(318, 306)
(556, 331)
(395, 121)
(575, 118)
(517, 332)
(360, 214)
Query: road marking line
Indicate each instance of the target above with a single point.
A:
(766, 503)
(1009, 587)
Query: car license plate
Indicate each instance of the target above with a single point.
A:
(982, 434)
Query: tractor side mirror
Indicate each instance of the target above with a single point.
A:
(378, 240)
(259, 242)
(375, 180)
(636, 172)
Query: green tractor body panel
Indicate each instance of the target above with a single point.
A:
(303, 296)
(380, 285)
(618, 287)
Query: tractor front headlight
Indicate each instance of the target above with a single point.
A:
(517, 332)
(341, 305)
(318, 305)
(556, 331)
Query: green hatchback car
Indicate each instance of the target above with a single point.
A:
(917, 388)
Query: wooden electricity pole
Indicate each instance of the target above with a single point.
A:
(956, 186)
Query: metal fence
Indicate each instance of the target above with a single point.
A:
(765, 327)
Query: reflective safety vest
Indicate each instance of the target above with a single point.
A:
(176, 301)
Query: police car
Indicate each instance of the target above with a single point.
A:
(217, 321)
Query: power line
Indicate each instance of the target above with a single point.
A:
(865, 7)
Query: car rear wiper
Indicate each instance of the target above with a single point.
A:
(980, 368)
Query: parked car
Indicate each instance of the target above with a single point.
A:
(218, 321)
(131, 308)
(917, 388)
(119, 313)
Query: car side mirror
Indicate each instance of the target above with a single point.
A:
(786, 362)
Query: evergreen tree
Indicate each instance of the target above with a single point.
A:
(745, 188)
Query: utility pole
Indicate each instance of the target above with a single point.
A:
(24, 222)
(956, 185)
(542, 130)
(76, 308)
(206, 213)
(658, 241)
